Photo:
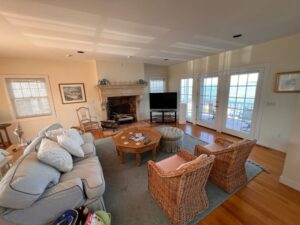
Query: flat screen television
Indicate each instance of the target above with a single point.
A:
(167, 100)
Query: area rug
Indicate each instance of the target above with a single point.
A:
(127, 197)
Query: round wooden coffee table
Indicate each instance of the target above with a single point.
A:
(125, 144)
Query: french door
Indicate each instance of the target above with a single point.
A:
(241, 111)
(208, 101)
(229, 103)
(186, 95)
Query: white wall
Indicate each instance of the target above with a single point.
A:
(277, 109)
(291, 175)
(58, 72)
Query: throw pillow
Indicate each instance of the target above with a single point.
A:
(199, 160)
(74, 134)
(70, 145)
(54, 155)
(26, 181)
(52, 134)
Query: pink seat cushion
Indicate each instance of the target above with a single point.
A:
(171, 163)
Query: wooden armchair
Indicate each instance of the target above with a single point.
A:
(228, 171)
(180, 192)
(87, 122)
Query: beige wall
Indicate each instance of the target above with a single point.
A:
(152, 71)
(291, 175)
(58, 72)
(276, 110)
(120, 70)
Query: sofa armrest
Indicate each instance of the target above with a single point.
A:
(55, 200)
(107, 144)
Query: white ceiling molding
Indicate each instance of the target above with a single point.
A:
(148, 30)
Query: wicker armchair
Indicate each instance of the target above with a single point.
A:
(228, 171)
(180, 192)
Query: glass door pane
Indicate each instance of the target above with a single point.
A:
(241, 102)
(208, 101)
(186, 95)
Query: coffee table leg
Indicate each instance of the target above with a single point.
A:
(138, 159)
(121, 154)
(154, 154)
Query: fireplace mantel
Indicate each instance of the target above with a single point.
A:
(106, 91)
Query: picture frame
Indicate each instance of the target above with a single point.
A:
(287, 82)
(72, 93)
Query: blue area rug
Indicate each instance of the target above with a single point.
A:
(127, 197)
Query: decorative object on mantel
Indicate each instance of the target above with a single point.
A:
(123, 83)
(287, 82)
(141, 81)
(72, 93)
(104, 82)
(19, 133)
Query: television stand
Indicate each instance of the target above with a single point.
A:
(163, 116)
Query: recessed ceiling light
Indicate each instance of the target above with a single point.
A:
(69, 55)
(237, 35)
(129, 57)
(166, 59)
(80, 52)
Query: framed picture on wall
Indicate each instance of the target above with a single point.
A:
(72, 93)
(287, 82)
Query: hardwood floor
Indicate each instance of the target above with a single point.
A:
(263, 201)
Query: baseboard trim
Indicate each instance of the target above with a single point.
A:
(289, 182)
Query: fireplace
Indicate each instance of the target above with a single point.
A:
(130, 94)
(122, 108)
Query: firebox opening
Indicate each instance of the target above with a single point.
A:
(122, 108)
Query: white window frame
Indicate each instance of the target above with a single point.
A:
(11, 105)
(161, 79)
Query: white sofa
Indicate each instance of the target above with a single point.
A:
(83, 185)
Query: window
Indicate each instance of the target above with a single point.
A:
(186, 95)
(157, 85)
(29, 97)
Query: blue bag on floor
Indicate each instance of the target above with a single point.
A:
(69, 217)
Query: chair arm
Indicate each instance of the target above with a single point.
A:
(199, 150)
(186, 155)
(223, 141)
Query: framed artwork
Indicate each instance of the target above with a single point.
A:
(72, 93)
(288, 82)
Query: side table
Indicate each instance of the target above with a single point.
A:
(15, 151)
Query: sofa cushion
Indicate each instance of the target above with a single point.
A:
(70, 145)
(54, 155)
(24, 183)
(53, 126)
(52, 134)
(87, 138)
(88, 149)
(90, 171)
(74, 135)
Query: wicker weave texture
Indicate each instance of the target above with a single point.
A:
(228, 171)
(180, 193)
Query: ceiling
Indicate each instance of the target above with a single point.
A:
(149, 31)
